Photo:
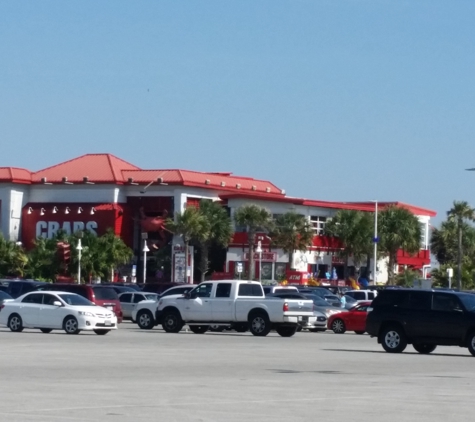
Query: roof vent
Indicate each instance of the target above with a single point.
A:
(253, 187)
(85, 179)
(130, 181)
(267, 189)
(160, 181)
(282, 191)
(238, 186)
(65, 181)
(223, 184)
(44, 180)
(207, 181)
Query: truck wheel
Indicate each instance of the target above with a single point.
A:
(145, 320)
(286, 331)
(393, 339)
(172, 322)
(199, 329)
(259, 324)
(424, 349)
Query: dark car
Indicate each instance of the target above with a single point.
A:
(100, 295)
(18, 288)
(131, 287)
(424, 318)
(158, 288)
(4, 296)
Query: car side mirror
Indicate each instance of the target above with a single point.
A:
(57, 303)
(186, 295)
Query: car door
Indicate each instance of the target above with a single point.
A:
(358, 318)
(50, 315)
(198, 306)
(30, 309)
(127, 305)
(448, 317)
(222, 304)
(138, 297)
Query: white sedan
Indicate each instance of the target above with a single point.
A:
(129, 301)
(50, 310)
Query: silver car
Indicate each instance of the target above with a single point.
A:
(321, 305)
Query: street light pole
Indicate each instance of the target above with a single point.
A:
(259, 251)
(145, 250)
(79, 249)
(375, 240)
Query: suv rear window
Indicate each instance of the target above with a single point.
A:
(391, 298)
(105, 293)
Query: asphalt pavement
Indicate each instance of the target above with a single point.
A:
(137, 375)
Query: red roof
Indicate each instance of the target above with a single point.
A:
(15, 175)
(97, 168)
(107, 168)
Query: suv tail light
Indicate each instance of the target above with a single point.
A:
(285, 308)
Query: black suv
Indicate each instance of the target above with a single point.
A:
(424, 318)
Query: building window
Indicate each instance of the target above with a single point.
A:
(423, 236)
(318, 224)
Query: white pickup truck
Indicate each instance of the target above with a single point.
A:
(239, 304)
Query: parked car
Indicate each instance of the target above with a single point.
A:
(323, 293)
(321, 305)
(129, 301)
(362, 295)
(53, 310)
(120, 289)
(100, 295)
(158, 288)
(352, 320)
(133, 286)
(17, 288)
(278, 289)
(350, 302)
(4, 296)
(423, 318)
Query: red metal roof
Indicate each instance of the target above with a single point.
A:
(98, 168)
(15, 175)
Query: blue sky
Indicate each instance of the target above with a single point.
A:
(335, 100)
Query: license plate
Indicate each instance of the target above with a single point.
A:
(107, 323)
(300, 318)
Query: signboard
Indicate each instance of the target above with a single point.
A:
(266, 256)
(296, 277)
(134, 271)
(179, 268)
(239, 267)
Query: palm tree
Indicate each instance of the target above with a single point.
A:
(93, 255)
(116, 251)
(444, 242)
(292, 232)
(459, 213)
(254, 218)
(13, 258)
(189, 224)
(218, 230)
(398, 229)
(354, 229)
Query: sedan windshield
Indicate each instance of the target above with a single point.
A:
(75, 300)
(151, 296)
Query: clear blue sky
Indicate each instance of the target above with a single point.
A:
(334, 100)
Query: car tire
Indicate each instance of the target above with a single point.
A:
(172, 322)
(359, 332)
(259, 324)
(471, 343)
(393, 339)
(46, 330)
(424, 349)
(199, 329)
(15, 323)
(145, 319)
(101, 332)
(286, 331)
(338, 326)
(70, 325)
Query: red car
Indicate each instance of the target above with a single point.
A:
(353, 320)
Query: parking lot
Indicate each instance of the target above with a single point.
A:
(136, 375)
